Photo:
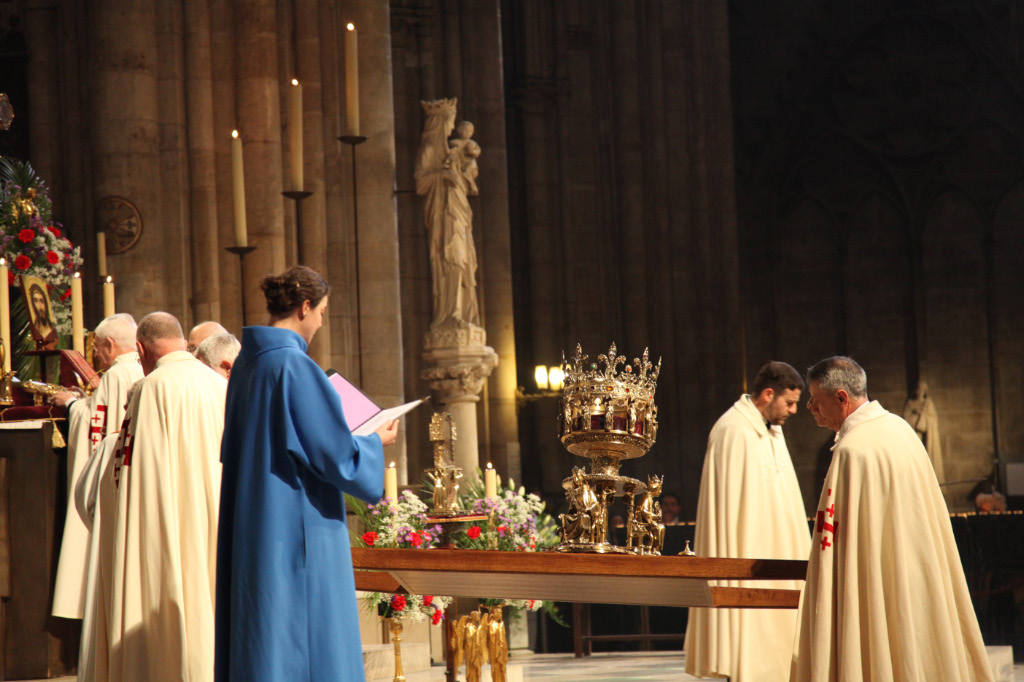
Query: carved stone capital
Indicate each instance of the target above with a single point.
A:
(458, 373)
(454, 333)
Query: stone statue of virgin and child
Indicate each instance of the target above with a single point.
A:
(446, 172)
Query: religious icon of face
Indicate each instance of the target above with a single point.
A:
(41, 321)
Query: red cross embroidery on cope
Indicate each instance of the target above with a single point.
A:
(827, 526)
(123, 457)
(99, 423)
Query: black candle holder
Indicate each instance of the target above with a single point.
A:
(354, 141)
(297, 196)
(241, 252)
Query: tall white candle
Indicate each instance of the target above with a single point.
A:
(391, 485)
(352, 81)
(108, 297)
(490, 482)
(5, 315)
(77, 326)
(295, 130)
(101, 252)
(238, 190)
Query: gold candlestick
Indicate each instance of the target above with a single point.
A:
(395, 625)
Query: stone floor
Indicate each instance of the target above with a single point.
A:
(604, 667)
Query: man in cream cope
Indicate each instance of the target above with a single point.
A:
(167, 475)
(90, 420)
(885, 598)
(749, 507)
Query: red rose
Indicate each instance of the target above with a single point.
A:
(473, 532)
(52, 257)
(22, 262)
(10, 278)
(436, 618)
(370, 538)
(398, 602)
(416, 540)
(66, 295)
(427, 600)
(502, 530)
(54, 231)
(26, 235)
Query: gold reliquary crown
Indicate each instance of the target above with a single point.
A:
(611, 397)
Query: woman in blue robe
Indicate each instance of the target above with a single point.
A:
(286, 606)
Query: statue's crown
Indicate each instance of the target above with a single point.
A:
(611, 373)
(439, 106)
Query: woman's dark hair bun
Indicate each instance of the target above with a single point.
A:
(287, 291)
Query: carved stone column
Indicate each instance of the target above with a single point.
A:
(458, 363)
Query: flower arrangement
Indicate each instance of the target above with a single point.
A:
(31, 241)
(516, 523)
(404, 525)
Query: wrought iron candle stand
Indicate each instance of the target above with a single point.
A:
(608, 415)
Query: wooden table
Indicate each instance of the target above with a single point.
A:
(588, 578)
(579, 578)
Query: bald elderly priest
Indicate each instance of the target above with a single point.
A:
(885, 598)
(167, 474)
(90, 420)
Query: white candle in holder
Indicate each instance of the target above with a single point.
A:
(295, 130)
(490, 482)
(238, 190)
(108, 297)
(101, 253)
(352, 81)
(5, 315)
(391, 485)
(77, 326)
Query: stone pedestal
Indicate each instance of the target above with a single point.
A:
(458, 362)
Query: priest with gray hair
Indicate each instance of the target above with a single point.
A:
(89, 421)
(218, 352)
(886, 597)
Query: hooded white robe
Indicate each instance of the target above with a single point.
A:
(89, 421)
(749, 507)
(886, 599)
(96, 498)
(167, 474)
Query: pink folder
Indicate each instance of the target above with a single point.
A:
(358, 408)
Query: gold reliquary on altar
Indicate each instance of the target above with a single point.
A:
(608, 415)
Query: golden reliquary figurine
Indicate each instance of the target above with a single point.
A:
(608, 415)
(479, 638)
(444, 475)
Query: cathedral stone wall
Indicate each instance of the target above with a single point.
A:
(880, 166)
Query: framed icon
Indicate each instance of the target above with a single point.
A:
(41, 322)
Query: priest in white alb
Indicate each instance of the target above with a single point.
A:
(89, 421)
(750, 507)
(167, 474)
(886, 599)
(96, 500)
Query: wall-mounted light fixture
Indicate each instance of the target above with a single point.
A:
(549, 385)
